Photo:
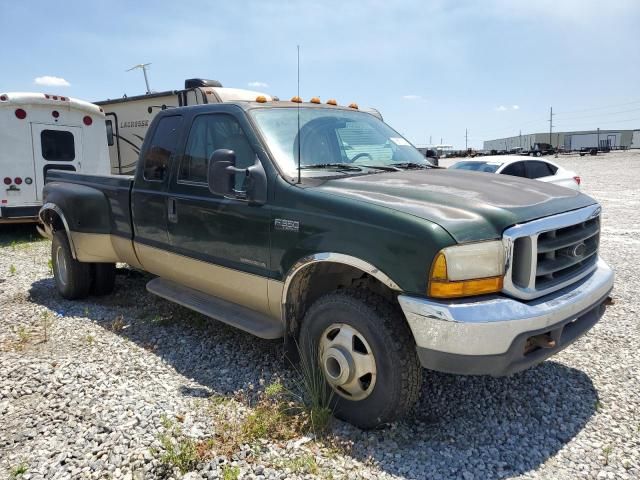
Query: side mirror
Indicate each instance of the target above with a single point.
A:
(109, 124)
(221, 174)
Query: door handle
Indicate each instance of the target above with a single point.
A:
(172, 214)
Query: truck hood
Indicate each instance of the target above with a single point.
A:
(471, 206)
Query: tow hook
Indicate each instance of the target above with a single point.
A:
(543, 340)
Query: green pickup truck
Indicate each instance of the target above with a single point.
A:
(321, 225)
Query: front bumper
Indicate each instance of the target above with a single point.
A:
(491, 335)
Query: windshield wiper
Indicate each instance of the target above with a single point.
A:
(412, 165)
(386, 168)
(337, 166)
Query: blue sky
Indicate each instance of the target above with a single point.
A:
(433, 68)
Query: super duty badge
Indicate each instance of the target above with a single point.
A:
(287, 225)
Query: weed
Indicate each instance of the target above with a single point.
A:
(312, 391)
(18, 471)
(305, 464)
(23, 334)
(50, 265)
(86, 311)
(47, 321)
(607, 451)
(12, 269)
(230, 473)
(274, 389)
(90, 339)
(117, 325)
(598, 405)
(179, 451)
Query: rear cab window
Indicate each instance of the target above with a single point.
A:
(162, 148)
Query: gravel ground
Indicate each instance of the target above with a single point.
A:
(86, 387)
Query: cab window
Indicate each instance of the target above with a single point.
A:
(208, 134)
(162, 148)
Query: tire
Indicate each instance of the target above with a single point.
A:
(73, 278)
(382, 331)
(104, 278)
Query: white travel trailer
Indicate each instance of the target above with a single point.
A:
(128, 118)
(41, 132)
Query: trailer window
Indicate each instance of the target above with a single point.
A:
(162, 148)
(57, 145)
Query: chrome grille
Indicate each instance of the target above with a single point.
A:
(553, 252)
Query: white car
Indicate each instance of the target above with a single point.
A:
(537, 169)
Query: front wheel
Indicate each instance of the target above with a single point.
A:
(366, 354)
(73, 278)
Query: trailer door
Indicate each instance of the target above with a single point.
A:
(55, 147)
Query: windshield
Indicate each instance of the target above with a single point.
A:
(489, 167)
(332, 136)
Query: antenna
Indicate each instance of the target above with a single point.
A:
(143, 66)
(299, 137)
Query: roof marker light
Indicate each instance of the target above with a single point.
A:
(87, 120)
(20, 114)
(353, 105)
(315, 100)
(296, 99)
(3, 98)
(261, 99)
(332, 101)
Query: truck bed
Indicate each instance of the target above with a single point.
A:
(116, 188)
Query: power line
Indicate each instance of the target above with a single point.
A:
(601, 114)
(599, 108)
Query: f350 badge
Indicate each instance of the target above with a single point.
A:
(286, 225)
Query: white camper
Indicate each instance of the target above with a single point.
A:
(128, 118)
(40, 132)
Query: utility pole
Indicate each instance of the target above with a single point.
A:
(466, 139)
(551, 126)
(430, 142)
(598, 144)
(520, 139)
(440, 140)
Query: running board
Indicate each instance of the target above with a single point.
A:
(256, 323)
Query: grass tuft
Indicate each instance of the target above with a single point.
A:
(178, 450)
(17, 471)
(230, 473)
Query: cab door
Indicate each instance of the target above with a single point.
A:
(221, 244)
(150, 198)
(54, 147)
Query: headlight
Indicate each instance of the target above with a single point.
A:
(465, 270)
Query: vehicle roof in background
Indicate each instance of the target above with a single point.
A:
(46, 99)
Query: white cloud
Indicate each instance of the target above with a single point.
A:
(501, 108)
(51, 81)
(258, 84)
(515, 107)
(411, 97)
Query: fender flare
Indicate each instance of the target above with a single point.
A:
(48, 228)
(331, 257)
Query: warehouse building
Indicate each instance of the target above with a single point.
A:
(613, 139)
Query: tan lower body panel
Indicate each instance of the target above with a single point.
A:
(249, 290)
(94, 247)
